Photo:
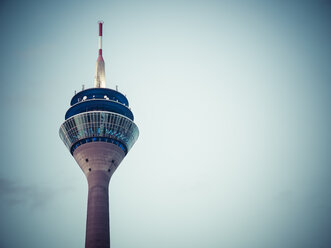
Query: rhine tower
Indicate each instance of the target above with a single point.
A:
(98, 131)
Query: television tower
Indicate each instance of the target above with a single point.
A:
(98, 131)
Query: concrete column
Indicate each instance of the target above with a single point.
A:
(97, 224)
(98, 161)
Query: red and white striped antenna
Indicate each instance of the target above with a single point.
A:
(100, 79)
(100, 37)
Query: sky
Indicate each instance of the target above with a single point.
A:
(232, 100)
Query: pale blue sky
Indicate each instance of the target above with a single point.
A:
(232, 99)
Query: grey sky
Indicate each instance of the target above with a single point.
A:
(232, 99)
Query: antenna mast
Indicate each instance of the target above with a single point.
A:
(100, 78)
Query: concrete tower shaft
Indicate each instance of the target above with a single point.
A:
(98, 161)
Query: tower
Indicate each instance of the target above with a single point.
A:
(98, 131)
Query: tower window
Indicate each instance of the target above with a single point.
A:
(89, 169)
(86, 160)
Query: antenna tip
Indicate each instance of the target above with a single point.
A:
(100, 27)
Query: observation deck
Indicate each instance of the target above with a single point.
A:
(99, 99)
(99, 115)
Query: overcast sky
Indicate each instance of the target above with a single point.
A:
(232, 99)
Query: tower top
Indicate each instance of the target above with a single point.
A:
(100, 78)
